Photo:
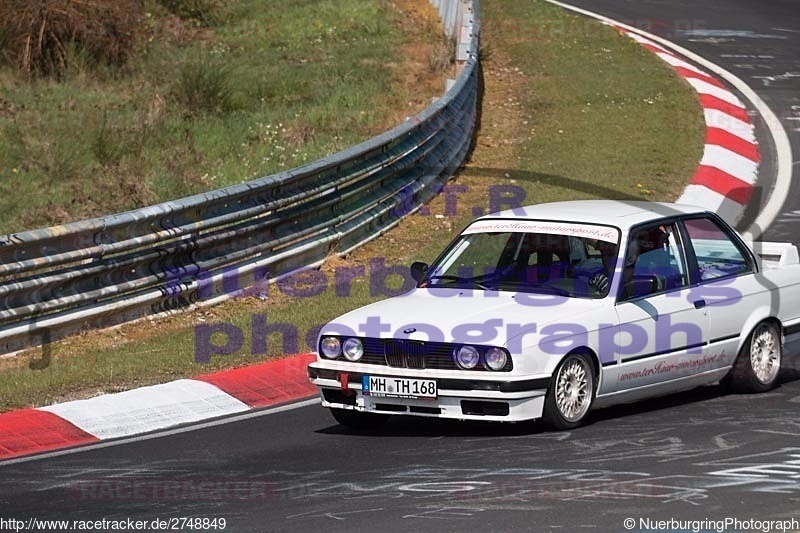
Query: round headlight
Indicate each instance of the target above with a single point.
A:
(495, 358)
(330, 347)
(467, 357)
(353, 349)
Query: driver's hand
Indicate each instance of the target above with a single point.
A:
(599, 282)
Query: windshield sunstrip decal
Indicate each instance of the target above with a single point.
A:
(587, 231)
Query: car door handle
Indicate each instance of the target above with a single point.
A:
(699, 304)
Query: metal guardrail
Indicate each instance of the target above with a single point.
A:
(107, 270)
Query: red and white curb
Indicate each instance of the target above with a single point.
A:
(153, 408)
(727, 173)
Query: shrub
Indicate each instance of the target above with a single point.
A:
(204, 86)
(40, 33)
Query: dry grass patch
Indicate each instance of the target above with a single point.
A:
(47, 36)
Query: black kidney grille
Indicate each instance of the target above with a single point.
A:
(404, 354)
(413, 354)
(393, 350)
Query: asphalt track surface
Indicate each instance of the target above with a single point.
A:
(701, 455)
(694, 456)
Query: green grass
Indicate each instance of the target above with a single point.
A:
(609, 118)
(591, 115)
(268, 86)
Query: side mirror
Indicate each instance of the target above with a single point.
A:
(644, 284)
(418, 270)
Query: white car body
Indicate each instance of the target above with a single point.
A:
(650, 334)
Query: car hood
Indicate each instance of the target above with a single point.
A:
(457, 315)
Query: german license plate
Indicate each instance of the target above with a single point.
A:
(412, 389)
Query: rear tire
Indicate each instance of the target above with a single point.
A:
(571, 393)
(358, 420)
(759, 361)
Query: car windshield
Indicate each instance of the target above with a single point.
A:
(574, 260)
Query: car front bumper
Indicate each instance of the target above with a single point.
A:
(498, 399)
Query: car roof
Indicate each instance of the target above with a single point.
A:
(621, 213)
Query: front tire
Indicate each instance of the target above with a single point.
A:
(759, 361)
(571, 393)
(358, 420)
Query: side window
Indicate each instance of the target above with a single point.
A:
(717, 254)
(654, 262)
